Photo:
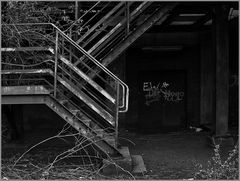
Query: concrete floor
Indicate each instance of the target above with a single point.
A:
(166, 156)
(169, 156)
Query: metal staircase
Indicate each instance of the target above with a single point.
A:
(114, 27)
(91, 107)
(67, 70)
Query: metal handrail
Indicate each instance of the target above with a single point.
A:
(125, 89)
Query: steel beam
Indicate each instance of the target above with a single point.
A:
(159, 16)
(201, 21)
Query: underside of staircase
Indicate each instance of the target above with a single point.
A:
(66, 70)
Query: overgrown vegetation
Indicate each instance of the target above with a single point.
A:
(14, 12)
(76, 162)
(218, 169)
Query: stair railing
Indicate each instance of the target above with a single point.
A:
(54, 37)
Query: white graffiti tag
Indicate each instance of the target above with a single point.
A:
(155, 93)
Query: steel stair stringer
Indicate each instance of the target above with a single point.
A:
(94, 106)
(159, 16)
(40, 95)
(104, 41)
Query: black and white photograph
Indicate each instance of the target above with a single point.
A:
(119, 90)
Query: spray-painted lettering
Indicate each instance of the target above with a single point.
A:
(156, 93)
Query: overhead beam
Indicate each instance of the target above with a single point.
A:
(202, 21)
(169, 19)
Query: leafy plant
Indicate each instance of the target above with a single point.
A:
(219, 169)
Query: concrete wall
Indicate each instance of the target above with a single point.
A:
(186, 59)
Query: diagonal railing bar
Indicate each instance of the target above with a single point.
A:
(119, 25)
(103, 27)
(125, 90)
(111, 35)
(104, 18)
(87, 24)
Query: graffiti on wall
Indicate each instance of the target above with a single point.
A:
(160, 92)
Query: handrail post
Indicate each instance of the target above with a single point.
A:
(116, 115)
(55, 65)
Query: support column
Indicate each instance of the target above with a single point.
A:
(220, 25)
(207, 101)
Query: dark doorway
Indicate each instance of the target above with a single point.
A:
(161, 100)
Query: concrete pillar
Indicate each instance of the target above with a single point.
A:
(207, 88)
(221, 41)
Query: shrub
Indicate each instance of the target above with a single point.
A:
(219, 169)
